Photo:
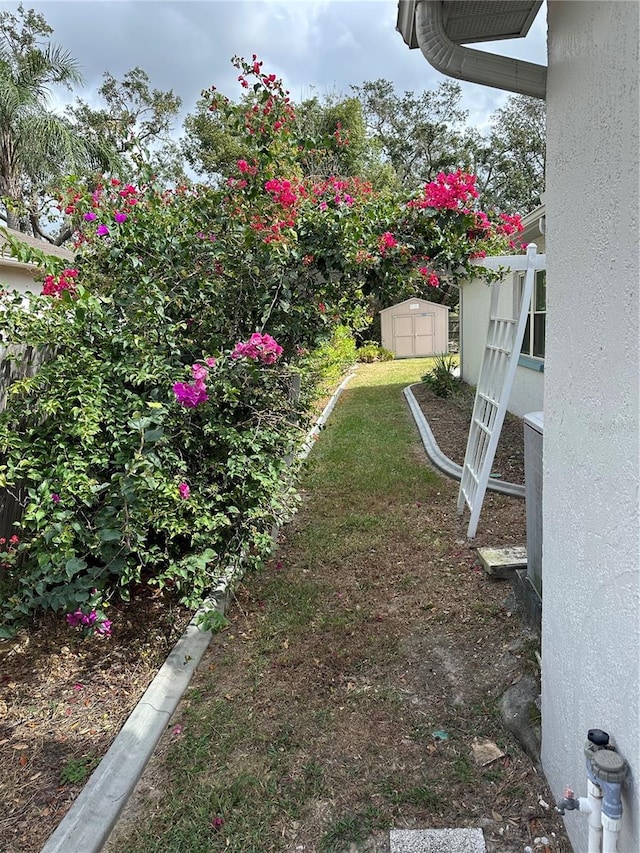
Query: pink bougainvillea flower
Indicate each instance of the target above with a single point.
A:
(78, 687)
(190, 394)
(217, 822)
(54, 286)
(102, 231)
(259, 348)
(386, 241)
(120, 217)
(185, 491)
(90, 216)
(448, 192)
(199, 372)
(55, 498)
(103, 628)
(176, 730)
(210, 362)
(78, 619)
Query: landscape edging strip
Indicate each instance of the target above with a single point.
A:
(442, 462)
(91, 819)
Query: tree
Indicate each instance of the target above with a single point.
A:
(332, 137)
(516, 157)
(135, 119)
(35, 144)
(420, 135)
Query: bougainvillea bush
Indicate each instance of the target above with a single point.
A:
(154, 444)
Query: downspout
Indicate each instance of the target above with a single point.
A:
(475, 66)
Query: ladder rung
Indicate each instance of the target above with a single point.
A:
(499, 349)
(488, 399)
(472, 474)
(484, 428)
(508, 320)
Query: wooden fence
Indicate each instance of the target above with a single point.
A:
(16, 362)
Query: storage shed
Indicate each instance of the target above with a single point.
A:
(415, 328)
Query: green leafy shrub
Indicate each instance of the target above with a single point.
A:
(371, 351)
(124, 479)
(440, 378)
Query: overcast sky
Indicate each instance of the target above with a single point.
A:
(316, 46)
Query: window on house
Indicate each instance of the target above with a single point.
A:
(533, 343)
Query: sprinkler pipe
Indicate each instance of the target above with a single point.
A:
(606, 771)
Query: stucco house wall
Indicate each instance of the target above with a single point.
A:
(591, 504)
(527, 394)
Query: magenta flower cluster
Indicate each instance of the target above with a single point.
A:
(89, 620)
(192, 394)
(453, 191)
(259, 347)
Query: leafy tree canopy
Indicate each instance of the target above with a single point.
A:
(36, 145)
(134, 118)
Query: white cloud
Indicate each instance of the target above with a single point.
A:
(325, 44)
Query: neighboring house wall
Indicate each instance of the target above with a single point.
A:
(527, 394)
(20, 277)
(15, 275)
(591, 511)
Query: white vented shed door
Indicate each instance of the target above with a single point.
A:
(413, 335)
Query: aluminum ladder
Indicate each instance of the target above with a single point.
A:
(502, 349)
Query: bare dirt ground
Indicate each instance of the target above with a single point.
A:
(63, 699)
(412, 675)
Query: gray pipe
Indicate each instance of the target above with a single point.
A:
(475, 66)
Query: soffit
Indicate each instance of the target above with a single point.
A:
(469, 21)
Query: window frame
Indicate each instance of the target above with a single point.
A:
(527, 357)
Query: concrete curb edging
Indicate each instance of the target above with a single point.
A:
(442, 462)
(87, 825)
(315, 431)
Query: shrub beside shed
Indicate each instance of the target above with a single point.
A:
(415, 328)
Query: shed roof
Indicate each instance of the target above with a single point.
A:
(413, 300)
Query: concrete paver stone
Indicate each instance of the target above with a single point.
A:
(437, 841)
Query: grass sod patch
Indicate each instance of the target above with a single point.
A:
(366, 454)
(228, 762)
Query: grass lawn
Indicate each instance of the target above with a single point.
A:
(358, 669)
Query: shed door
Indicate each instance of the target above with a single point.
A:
(425, 334)
(413, 335)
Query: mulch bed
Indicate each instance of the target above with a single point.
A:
(63, 699)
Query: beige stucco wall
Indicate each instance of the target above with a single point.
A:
(527, 394)
(591, 508)
(15, 277)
